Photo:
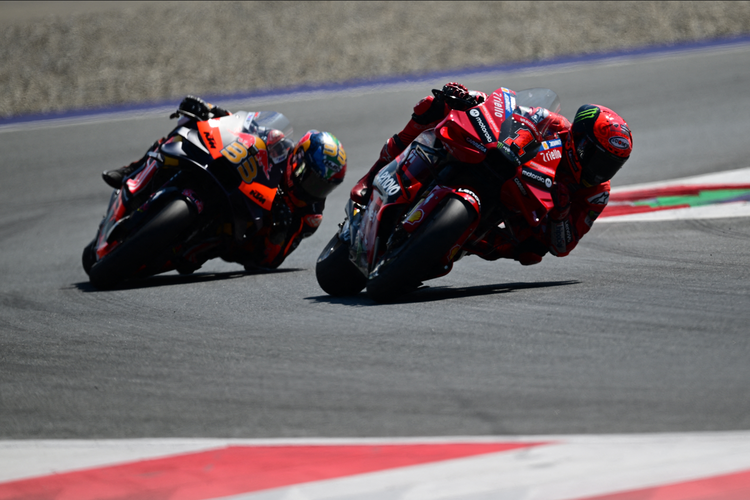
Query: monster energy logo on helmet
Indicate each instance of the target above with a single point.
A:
(585, 114)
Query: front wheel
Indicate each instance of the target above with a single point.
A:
(336, 274)
(89, 256)
(422, 253)
(149, 240)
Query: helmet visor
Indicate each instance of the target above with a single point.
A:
(311, 183)
(599, 165)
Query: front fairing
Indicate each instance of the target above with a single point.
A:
(116, 210)
(237, 161)
(472, 134)
(529, 192)
(509, 147)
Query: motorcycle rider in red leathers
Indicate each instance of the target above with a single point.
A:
(594, 147)
(312, 169)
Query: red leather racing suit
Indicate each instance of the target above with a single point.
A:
(578, 206)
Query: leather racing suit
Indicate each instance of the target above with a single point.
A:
(292, 218)
(576, 206)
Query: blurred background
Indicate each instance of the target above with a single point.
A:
(59, 56)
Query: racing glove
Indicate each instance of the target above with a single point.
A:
(192, 107)
(198, 109)
(456, 96)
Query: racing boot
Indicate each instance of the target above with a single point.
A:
(115, 177)
(361, 191)
(391, 149)
(427, 113)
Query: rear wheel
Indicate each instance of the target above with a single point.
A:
(336, 274)
(152, 238)
(422, 253)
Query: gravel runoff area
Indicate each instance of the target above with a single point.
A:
(58, 59)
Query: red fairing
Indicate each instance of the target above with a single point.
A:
(211, 137)
(143, 177)
(528, 192)
(420, 212)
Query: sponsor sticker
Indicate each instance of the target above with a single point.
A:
(520, 186)
(474, 143)
(619, 142)
(551, 155)
(249, 125)
(387, 183)
(415, 217)
(472, 194)
(568, 232)
(497, 100)
(528, 123)
(507, 99)
(453, 252)
(539, 115)
(209, 138)
(508, 153)
(481, 126)
(537, 177)
(599, 199)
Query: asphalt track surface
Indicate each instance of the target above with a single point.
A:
(644, 328)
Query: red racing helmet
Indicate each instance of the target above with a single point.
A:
(603, 142)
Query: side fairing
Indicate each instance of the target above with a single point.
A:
(395, 188)
(530, 191)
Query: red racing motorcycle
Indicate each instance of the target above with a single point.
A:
(199, 194)
(479, 169)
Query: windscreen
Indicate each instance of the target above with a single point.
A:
(269, 120)
(539, 97)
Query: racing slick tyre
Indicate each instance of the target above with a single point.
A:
(149, 240)
(336, 274)
(422, 252)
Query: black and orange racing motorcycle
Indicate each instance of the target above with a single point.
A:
(196, 195)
